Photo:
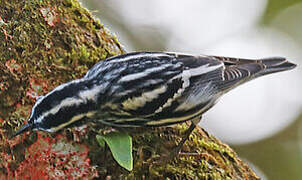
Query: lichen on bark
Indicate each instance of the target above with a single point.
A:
(46, 43)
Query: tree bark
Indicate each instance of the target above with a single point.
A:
(46, 43)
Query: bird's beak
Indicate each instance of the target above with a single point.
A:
(26, 127)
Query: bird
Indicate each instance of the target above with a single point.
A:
(147, 89)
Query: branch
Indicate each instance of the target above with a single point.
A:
(46, 43)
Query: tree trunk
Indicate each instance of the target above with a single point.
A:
(46, 43)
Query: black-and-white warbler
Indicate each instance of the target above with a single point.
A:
(147, 89)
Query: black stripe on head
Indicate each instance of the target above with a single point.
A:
(65, 114)
(56, 96)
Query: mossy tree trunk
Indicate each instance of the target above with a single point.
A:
(46, 43)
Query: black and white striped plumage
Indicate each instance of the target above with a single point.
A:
(146, 89)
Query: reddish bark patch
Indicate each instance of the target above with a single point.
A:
(55, 158)
(50, 15)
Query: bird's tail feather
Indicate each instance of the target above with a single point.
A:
(275, 64)
(238, 71)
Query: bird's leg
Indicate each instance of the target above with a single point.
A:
(186, 136)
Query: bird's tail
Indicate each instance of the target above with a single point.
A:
(275, 64)
(238, 71)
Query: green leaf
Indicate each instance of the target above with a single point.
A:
(120, 145)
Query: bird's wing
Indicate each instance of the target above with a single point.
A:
(154, 85)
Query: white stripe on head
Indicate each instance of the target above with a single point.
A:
(84, 96)
(65, 103)
(58, 88)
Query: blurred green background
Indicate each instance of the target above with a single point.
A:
(274, 153)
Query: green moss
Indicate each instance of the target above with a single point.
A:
(53, 42)
(74, 42)
(57, 41)
(203, 157)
